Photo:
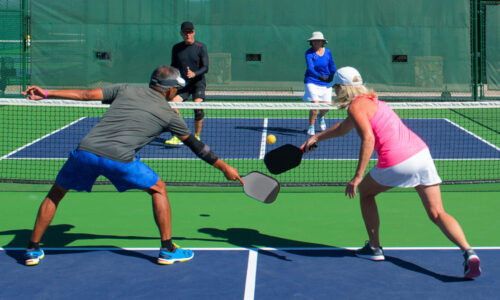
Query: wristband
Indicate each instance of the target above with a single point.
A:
(46, 94)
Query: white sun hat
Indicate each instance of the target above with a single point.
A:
(317, 35)
(347, 76)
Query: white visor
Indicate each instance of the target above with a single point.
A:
(347, 76)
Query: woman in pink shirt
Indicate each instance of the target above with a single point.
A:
(404, 161)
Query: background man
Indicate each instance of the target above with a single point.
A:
(191, 58)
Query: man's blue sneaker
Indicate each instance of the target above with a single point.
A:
(32, 257)
(168, 258)
(369, 253)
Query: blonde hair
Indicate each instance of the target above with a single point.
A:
(349, 92)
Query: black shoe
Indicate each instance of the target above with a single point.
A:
(369, 253)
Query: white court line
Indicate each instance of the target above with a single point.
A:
(474, 135)
(251, 274)
(248, 249)
(49, 134)
(263, 139)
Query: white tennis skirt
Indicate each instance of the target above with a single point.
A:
(416, 170)
(315, 92)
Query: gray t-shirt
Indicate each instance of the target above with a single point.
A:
(136, 116)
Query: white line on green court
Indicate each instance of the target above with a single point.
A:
(262, 151)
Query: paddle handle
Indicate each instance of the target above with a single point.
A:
(313, 146)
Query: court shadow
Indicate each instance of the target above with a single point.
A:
(158, 141)
(416, 268)
(136, 254)
(57, 236)
(18, 255)
(251, 238)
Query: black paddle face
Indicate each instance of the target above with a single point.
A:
(261, 187)
(283, 159)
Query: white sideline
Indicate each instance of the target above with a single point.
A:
(251, 274)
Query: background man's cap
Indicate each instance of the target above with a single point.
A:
(347, 76)
(317, 36)
(187, 26)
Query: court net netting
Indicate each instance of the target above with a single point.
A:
(463, 137)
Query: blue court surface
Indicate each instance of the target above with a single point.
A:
(239, 273)
(239, 138)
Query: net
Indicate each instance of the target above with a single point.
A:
(463, 137)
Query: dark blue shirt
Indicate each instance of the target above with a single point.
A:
(194, 56)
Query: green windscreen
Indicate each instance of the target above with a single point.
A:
(398, 46)
(493, 47)
(11, 48)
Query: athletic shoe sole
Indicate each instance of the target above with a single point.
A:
(371, 257)
(474, 269)
(163, 261)
(34, 261)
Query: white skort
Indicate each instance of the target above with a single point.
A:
(315, 92)
(416, 170)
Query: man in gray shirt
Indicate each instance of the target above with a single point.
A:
(136, 116)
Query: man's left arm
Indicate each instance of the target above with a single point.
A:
(37, 93)
(203, 61)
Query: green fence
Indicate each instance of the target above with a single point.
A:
(14, 53)
(490, 48)
(422, 48)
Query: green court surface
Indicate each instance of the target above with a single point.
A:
(226, 217)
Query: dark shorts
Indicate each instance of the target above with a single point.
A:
(196, 89)
(82, 169)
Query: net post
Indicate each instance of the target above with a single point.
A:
(26, 40)
(475, 60)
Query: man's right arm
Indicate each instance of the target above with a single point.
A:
(205, 153)
(37, 93)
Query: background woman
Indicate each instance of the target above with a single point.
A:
(319, 72)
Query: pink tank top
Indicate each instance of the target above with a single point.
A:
(394, 142)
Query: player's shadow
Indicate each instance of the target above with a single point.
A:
(251, 238)
(58, 236)
(416, 268)
(158, 142)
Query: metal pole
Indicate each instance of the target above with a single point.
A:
(25, 40)
(475, 53)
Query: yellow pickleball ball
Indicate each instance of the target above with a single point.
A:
(271, 139)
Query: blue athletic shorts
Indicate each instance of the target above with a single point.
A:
(82, 169)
